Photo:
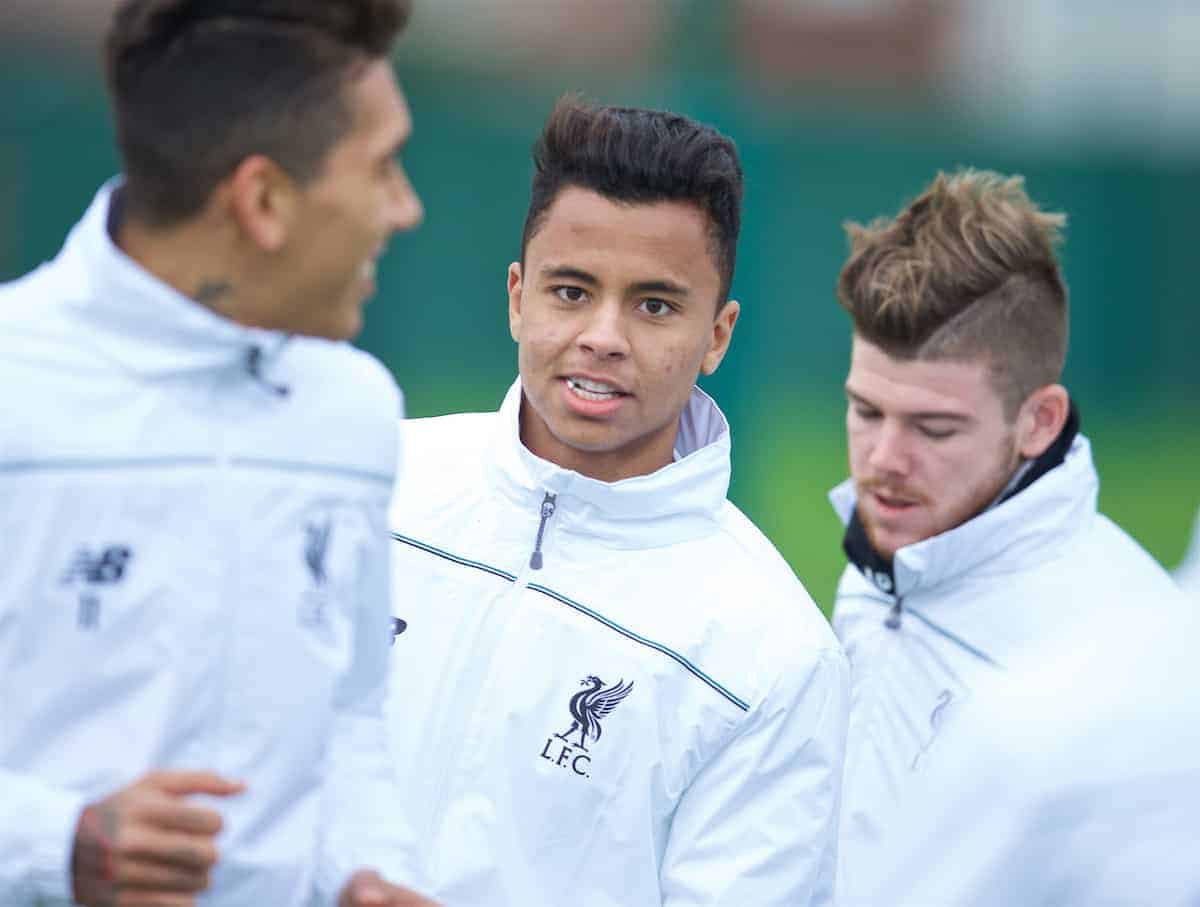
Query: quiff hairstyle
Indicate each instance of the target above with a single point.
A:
(639, 157)
(967, 272)
(198, 86)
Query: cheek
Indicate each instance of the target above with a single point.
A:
(541, 339)
(960, 480)
(678, 358)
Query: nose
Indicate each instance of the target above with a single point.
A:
(889, 453)
(603, 334)
(405, 211)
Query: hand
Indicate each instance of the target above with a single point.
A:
(367, 889)
(145, 845)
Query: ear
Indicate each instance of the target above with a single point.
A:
(514, 300)
(722, 333)
(263, 200)
(1041, 419)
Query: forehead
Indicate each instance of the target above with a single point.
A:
(381, 115)
(591, 229)
(912, 386)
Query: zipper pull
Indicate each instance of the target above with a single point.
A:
(893, 619)
(535, 559)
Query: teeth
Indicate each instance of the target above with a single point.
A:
(592, 390)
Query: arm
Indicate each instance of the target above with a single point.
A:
(758, 825)
(37, 832)
(363, 825)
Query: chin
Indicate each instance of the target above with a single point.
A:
(886, 544)
(345, 328)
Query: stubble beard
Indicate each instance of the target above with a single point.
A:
(984, 496)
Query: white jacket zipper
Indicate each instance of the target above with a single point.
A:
(535, 559)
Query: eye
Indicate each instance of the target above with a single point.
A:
(570, 293)
(656, 308)
(939, 434)
(867, 414)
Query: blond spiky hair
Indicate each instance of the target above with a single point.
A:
(968, 270)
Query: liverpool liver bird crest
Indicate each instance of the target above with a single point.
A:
(591, 705)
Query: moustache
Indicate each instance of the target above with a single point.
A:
(886, 489)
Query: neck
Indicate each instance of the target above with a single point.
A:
(183, 257)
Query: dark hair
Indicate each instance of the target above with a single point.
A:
(640, 156)
(967, 271)
(199, 85)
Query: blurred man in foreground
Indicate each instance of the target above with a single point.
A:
(616, 692)
(194, 478)
(971, 516)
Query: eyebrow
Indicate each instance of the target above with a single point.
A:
(921, 416)
(565, 272)
(668, 287)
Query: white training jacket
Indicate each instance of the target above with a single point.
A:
(613, 694)
(194, 576)
(962, 609)
(1073, 781)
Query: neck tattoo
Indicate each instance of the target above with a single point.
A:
(210, 291)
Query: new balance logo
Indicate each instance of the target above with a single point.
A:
(95, 570)
(105, 568)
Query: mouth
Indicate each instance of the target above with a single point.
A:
(593, 389)
(891, 504)
(369, 268)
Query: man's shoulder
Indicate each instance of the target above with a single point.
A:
(349, 374)
(441, 455)
(28, 302)
(771, 593)
(433, 445)
(436, 433)
(1102, 566)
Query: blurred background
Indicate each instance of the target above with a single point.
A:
(843, 109)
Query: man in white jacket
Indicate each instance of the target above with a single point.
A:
(194, 589)
(615, 690)
(975, 545)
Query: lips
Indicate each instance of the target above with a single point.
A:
(890, 502)
(593, 398)
(593, 389)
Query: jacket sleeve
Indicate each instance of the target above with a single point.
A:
(758, 825)
(363, 826)
(37, 833)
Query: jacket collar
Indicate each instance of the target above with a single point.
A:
(144, 324)
(1052, 498)
(681, 501)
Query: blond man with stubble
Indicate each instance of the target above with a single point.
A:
(977, 554)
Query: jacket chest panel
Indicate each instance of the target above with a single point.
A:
(163, 585)
(538, 709)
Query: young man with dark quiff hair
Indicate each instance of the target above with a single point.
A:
(194, 480)
(616, 690)
(972, 529)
